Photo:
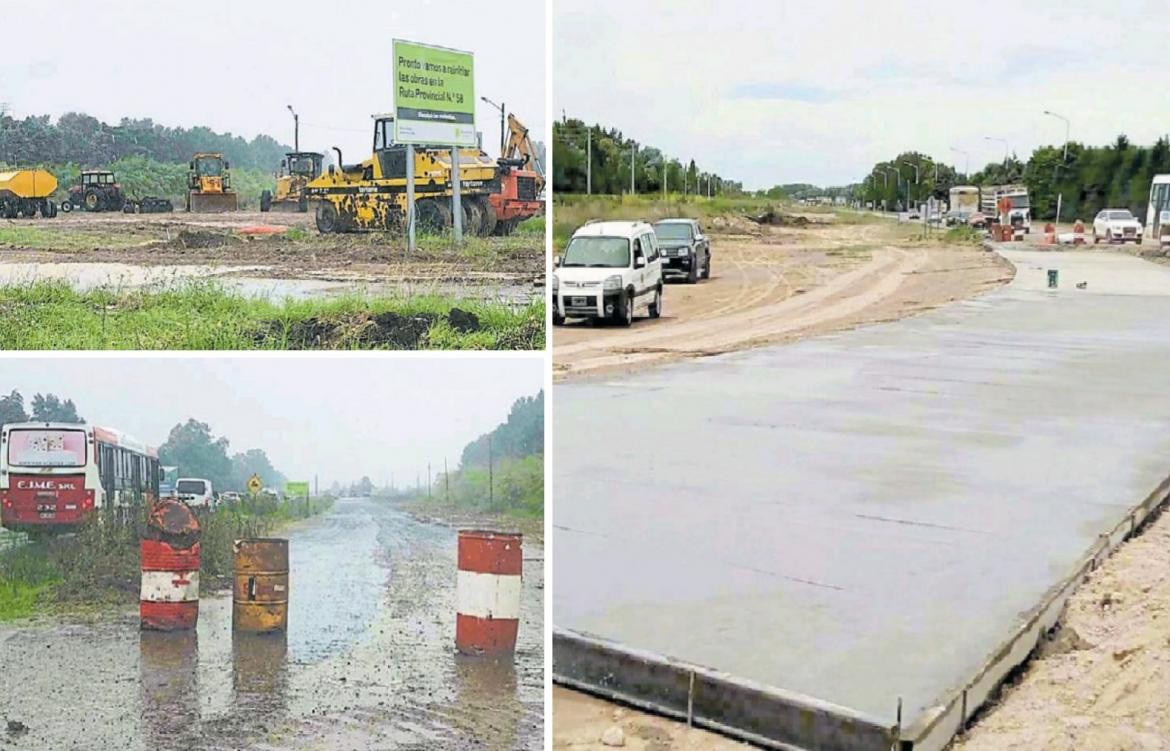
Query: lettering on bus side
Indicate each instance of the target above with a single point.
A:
(44, 485)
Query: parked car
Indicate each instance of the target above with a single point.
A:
(1116, 225)
(685, 250)
(609, 270)
(195, 492)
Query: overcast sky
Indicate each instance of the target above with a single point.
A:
(783, 92)
(339, 416)
(234, 66)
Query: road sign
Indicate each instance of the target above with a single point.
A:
(296, 489)
(254, 484)
(434, 95)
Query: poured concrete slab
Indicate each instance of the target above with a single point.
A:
(822, 530)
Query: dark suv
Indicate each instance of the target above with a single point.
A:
(686, 251)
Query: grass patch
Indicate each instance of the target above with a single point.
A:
(99, 565)
(42, 238)
(203, 315)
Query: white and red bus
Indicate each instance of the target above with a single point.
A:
(52, 475)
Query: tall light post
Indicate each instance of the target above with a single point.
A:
(296, 129)
(499, 107)
(966, 164)
(908, 198)
(897, 180)
(1063, 159)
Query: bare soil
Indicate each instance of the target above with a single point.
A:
(216, 239)
(773, 284)
(1103, 683)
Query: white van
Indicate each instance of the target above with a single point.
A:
(609, 270)
(195, 492)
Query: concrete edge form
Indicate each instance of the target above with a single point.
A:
(937, 729)
(766, 716)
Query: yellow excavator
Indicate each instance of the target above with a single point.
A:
(209, 187)
(371, 195)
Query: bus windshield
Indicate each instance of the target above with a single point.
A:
(602, 252)
(46, 448)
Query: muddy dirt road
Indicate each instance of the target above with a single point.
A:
(368, 662)
(142, 250)
(776, 284)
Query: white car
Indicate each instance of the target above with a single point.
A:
(195, 492)
(609, 270)
(1116, 225)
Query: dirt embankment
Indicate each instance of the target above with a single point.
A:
(773, 283)
(1104, 681)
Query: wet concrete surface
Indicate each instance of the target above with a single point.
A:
(368, 662)
(243, 280)
(865, 516)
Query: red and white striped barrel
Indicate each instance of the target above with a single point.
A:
(487, 592)
(170, 586)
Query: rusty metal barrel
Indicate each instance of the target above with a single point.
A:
(260, 593)
(487, 591)
(169, 554)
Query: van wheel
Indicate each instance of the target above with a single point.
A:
(628, 310)
(558, 319)
(707, 268)
(693, 274)
(656, 306)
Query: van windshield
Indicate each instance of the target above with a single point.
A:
(597, 252)
(191, 487)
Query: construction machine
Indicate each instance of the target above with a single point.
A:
(97, 190)
(521, 180)
(25, 192)
(297, 169)
(209, 187)
(371, 195)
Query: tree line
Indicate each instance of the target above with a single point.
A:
(80, 139)
(611, 164)
(1089, 179)
(190, 446)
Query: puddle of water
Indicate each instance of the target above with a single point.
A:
(87, 276)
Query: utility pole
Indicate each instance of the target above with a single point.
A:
(429, 483)
(633, 153)
(491, 490)
(500, 107)
(589, 162)
(447, 480)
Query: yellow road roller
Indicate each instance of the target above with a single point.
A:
(24, 192)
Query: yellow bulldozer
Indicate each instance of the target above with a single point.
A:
(209, 187)
(297, 169)
(372, 195)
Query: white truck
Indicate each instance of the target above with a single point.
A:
(195, 492)
(1158, 210)
(609, 270)
(964, 200)
(1020, 212)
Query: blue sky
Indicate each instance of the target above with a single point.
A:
(779, 92)
(234, 66)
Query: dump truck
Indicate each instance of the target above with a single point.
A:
(96, 190)
(371, 195)
(521, 181)
(297, 169)
(24, 192)
(209, 187)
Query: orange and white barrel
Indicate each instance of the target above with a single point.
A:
(170, 586)
(487, 592)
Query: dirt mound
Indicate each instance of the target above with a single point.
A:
(463, 321)
(201, 239)
(776, 219)
(361, 330)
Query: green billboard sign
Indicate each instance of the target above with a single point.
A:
(434, 95)
(296, 489)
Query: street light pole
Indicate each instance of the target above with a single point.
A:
(1005, 147)
(500, 107)
(296, 130)
(1063, 159)
(966, 164)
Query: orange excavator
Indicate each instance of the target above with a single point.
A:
(521, 180)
